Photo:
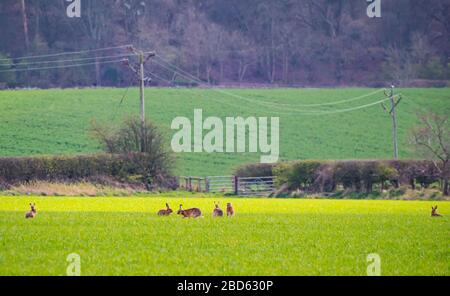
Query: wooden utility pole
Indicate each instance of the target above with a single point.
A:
(393, 113)
(142, 87)
(143, 57)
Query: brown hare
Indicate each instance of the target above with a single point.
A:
(189, 213)
(32, 213)
(434, 212)
(230, 210)
(165, 212)
(217, 211)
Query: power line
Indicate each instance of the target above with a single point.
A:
(320, 112)
(290, 107)
(62, 66)
(67, 53)
(187, 74)
(191, 90)
(70, 60)
(316, 113)
(160, 78)
(276, 105)
(329, 103)
(304, 112)
(121, 102)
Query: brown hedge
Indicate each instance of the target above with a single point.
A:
(67, 168)
(356, 175)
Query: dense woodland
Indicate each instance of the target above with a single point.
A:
(282, 42)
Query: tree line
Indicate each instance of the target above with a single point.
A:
(284, 42)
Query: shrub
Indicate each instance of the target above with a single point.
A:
(370, 174)
(254, 170)
(324, 179)
(75, 168)
(282, 172)
(415, 171)
(387, 173)
(349, 174)
(144, 149)
(297, 174)
(356, 176)
(304, 174)
(397, 192)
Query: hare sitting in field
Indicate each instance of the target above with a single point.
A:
(217, 211)
(434, 212)
(32, 213)
(190, 213)
(165, 212)
(230, 210)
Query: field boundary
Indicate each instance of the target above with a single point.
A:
(240, 186)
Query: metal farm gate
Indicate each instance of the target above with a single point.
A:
(255, 186)
(241, 186)
(221, 184)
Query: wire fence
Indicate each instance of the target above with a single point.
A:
(241, 186)
(256, 186)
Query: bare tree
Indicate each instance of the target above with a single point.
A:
(399, 65)
(323, 16)
(212, 49)
(94, 24)
(154, 164)
(421, 49)
(243, 52)
(269, 52)
(23, 10)
(432, 140)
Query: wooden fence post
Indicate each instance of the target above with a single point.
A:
(236, 185)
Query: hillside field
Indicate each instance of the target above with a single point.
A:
(124, 236)
(47, 122)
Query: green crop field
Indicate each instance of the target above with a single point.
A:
(37, 122)
(123, 236)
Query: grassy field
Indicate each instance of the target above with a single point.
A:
(123, 236)
(40, 122)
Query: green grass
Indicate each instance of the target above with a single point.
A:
(40, 122)
(123, 236)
